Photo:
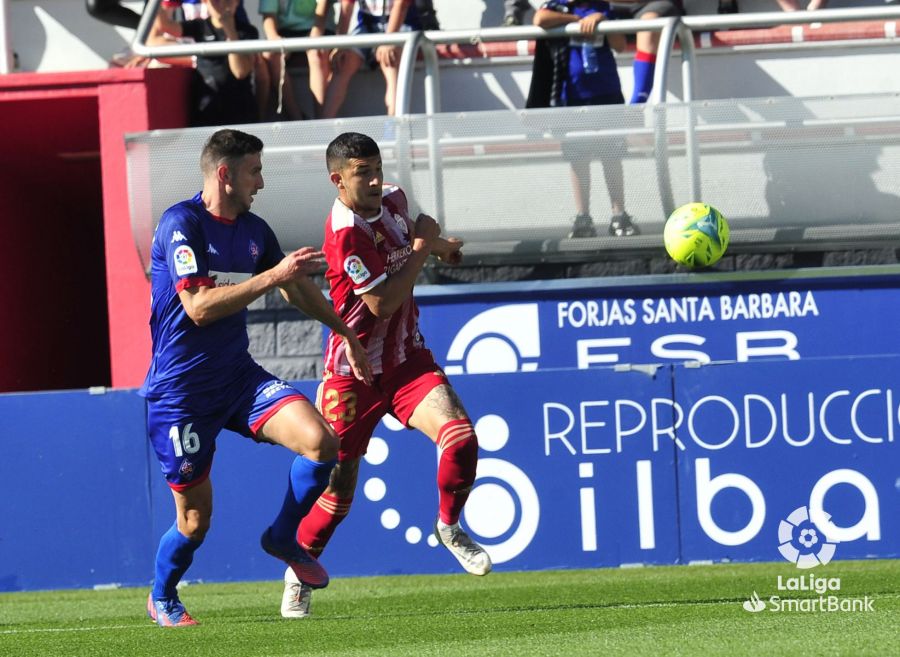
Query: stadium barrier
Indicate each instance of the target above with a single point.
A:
(788, 173)
(631, 421)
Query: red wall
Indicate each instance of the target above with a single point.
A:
(74, 297)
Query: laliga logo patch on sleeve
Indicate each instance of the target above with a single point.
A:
(356, 269)
(185, 262)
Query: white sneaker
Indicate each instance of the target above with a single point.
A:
(470, 555)
(295, 600)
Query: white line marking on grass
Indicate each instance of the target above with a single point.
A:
(39, 630)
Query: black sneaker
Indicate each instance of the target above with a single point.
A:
(583, 226)
(621, 226)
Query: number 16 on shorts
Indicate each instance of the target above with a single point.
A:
(185, 441)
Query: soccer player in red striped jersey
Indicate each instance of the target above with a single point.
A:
(374, 252)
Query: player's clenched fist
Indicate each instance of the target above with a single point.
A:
(426, 230)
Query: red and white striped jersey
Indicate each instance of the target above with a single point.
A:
(361, 254)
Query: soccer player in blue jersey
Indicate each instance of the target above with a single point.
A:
(212, 257)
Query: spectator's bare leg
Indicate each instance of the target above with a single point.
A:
(319, 72)
(615, 183)
(581, 184)
(262, 82)
(391, 74)
(788, 5)
(350, 62)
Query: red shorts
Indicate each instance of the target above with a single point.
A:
(354, 409)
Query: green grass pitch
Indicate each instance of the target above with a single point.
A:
(658, 611)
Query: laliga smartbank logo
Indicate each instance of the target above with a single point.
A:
(803, 542)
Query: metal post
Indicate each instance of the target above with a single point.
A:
(6, 54)
(664, 52)
(405, 73)
(432, 104)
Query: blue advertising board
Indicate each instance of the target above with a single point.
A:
(601, 467)
(584, 324)
(691, 438)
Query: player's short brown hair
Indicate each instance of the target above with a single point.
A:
(228, 146)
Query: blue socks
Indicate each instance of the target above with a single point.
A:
(307, 481)
(643, 68)
(174, 556)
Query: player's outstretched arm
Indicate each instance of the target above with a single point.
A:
(386, 298)
(303, 294)
(205, 305)
(448, 250)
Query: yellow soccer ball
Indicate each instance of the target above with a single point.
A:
(696, 235)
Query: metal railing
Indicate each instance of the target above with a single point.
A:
(670, 29)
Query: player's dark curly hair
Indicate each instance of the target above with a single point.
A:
(229, 146)
(349, 145)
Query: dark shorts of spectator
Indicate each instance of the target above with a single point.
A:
(592, 148)
(372, 27)
(297, 59)
(662, 8)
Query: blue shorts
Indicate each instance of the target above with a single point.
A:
(371, 25)
(183, 428)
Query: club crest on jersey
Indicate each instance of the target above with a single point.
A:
(185, 262)
(254, 251)
(402, 223)
(186, 470)
(355, 269)
(178, 236)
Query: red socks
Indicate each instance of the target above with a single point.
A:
(458, 446)
(319, 524)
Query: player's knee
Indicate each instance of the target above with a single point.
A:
(325, 447)
(194, 525)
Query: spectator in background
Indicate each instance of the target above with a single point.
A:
(647, 42)
(578, 72)
(514, 12)
(299, 18)
(222, 88)
(373, 17)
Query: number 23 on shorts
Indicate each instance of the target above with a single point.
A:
(336, 405)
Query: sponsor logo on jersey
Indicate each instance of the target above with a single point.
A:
(254, 251)
(274, 388)
(356, 270)
(185, 262)
(402, 223)
(225, 278)
(212, 250)
(178, 236)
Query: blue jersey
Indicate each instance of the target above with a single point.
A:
(592, 65)
(193, 248)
